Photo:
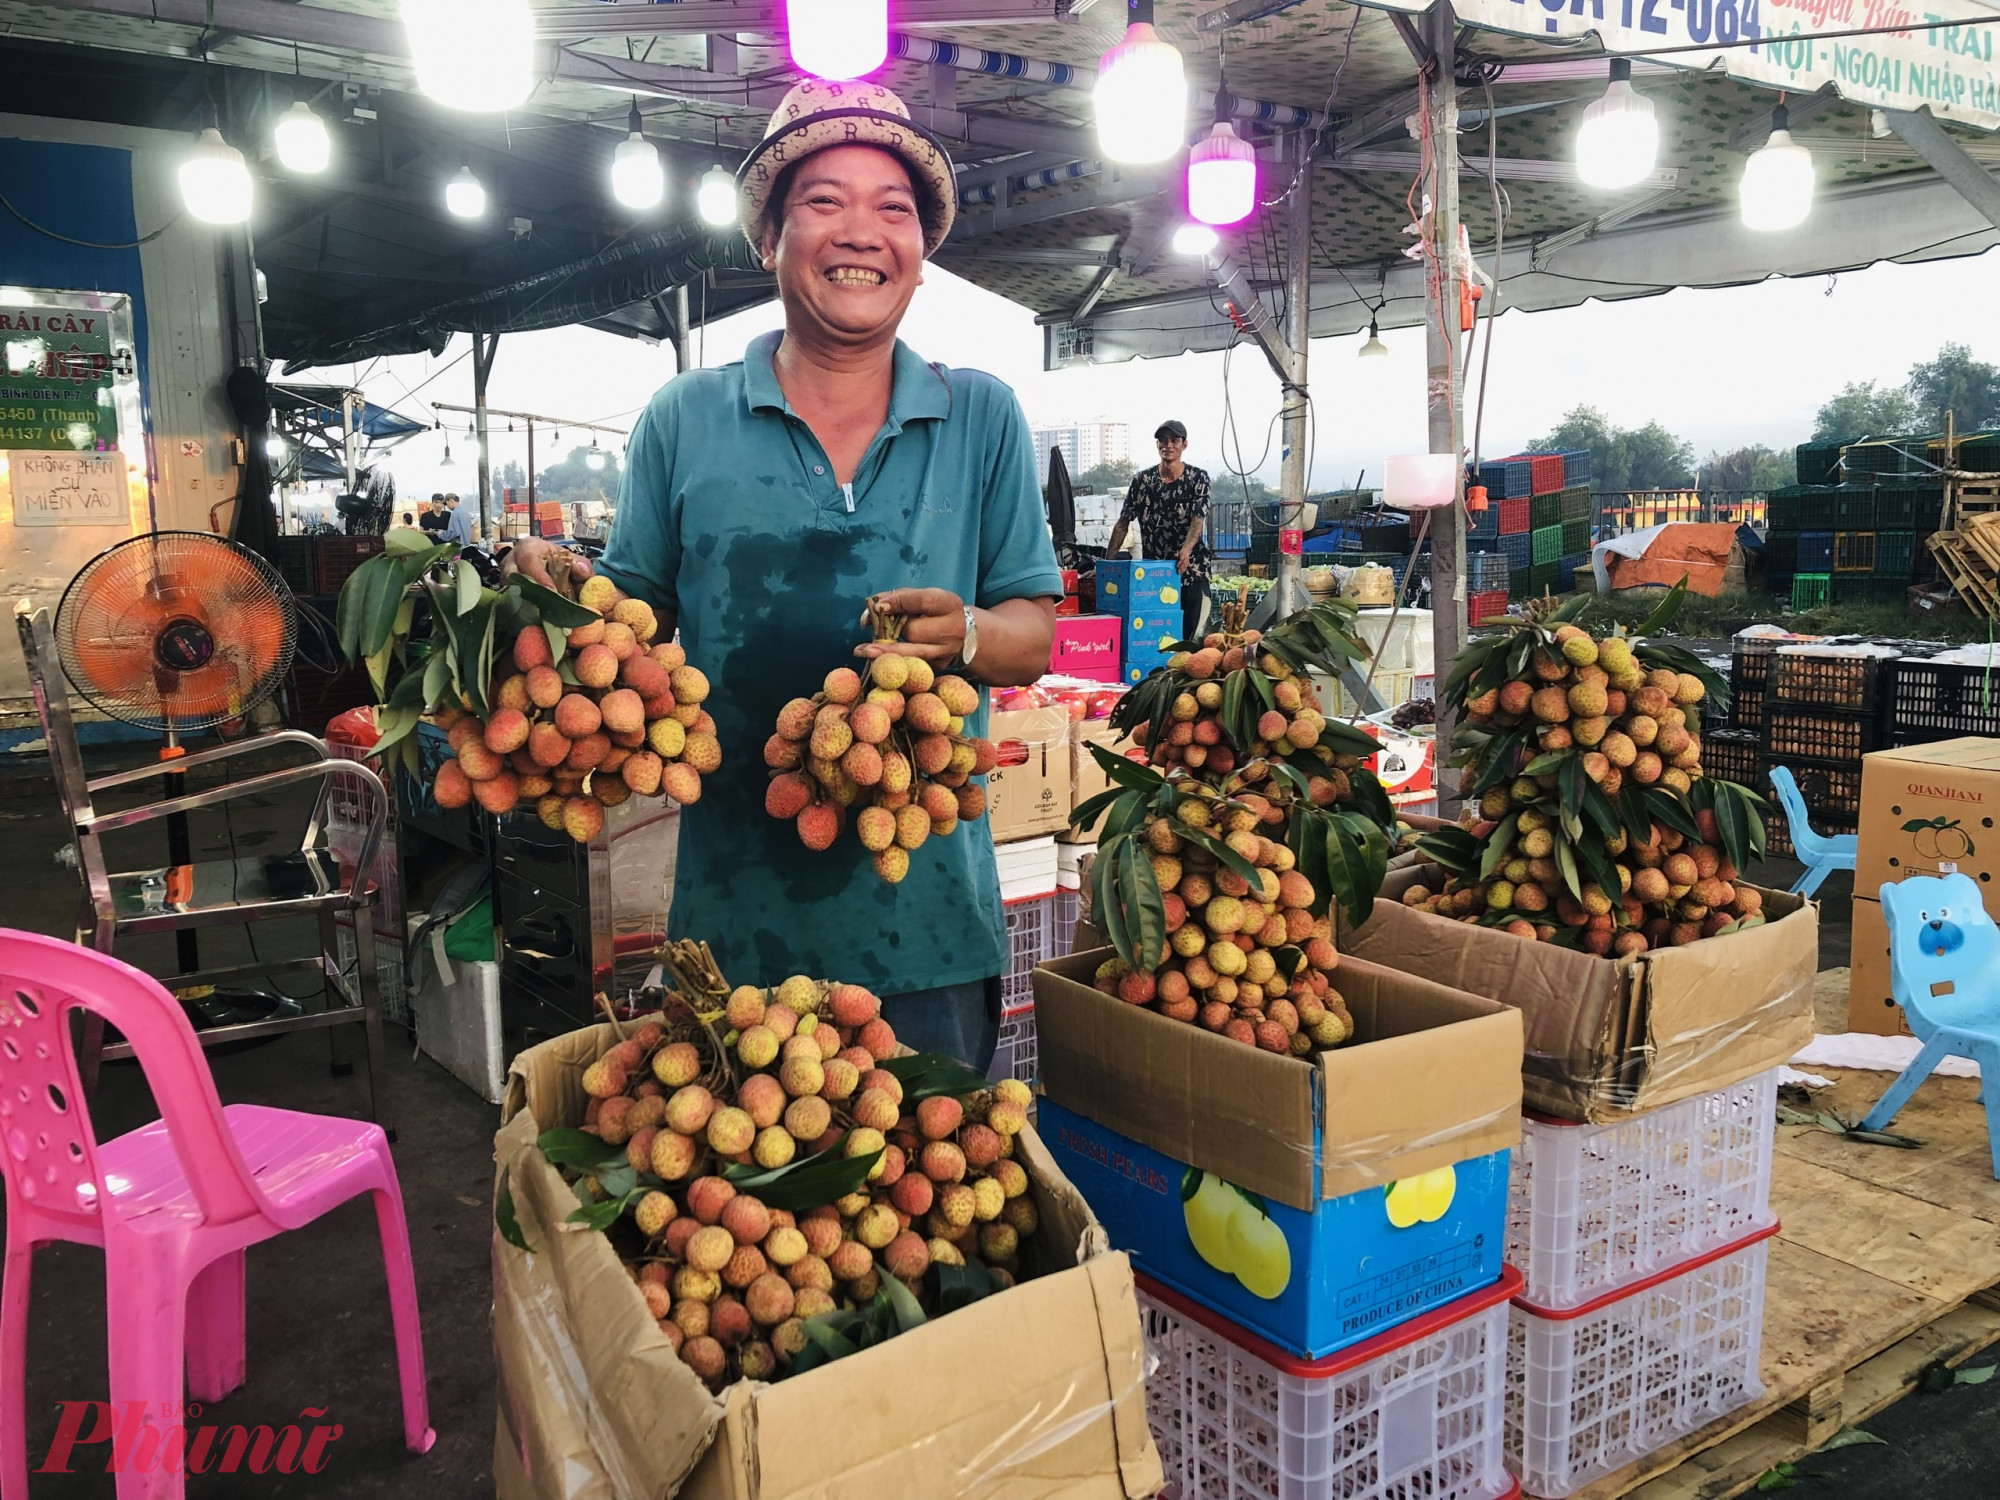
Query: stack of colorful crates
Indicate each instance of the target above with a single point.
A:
(1643, 1246)
(1858, 541)
(1145, 596)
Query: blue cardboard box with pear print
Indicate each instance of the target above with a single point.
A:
(1145, 587)
(1314, 1201)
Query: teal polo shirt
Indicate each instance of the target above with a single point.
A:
(729, 514)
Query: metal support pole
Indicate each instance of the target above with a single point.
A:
(531, 476)
(1441, 343)
(352, 407)
(1294, 479)
(682, 365)
(484, 347)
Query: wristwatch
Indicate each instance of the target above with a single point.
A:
(971, 646)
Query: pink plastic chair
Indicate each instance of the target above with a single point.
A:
(173, 1204)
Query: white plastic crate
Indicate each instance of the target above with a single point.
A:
(1593, 1208)
(1069, 905)
(1589, 1389)
(1030, 941)
(1015, 1056)
(1414, 1412)
(388, 971)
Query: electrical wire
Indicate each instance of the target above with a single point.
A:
(66, 239)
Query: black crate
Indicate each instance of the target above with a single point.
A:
(1854, 509)
(296, 565)
(1387, 537)
(1865, 588)
(1854, 552)
(1819, 463)
(1896, 555)
(335, 557)
(1914, 507)
(1576, 536)
(1815, 552)
(1851, 684)
(1733, 755)
(1486, 571)
(1781, 554)
(1749, 670)
(1576, 503)
(1938, 700)
(1792, 732)
(1545, 511)
(1830, 790)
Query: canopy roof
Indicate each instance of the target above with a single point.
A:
(364, 260)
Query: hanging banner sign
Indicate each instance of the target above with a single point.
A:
(1936, 60)
(58, 369)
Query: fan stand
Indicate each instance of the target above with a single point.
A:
(180, 852)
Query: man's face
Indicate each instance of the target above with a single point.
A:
(849, 251)
(1171, 448)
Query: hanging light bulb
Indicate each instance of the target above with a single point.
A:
(838, 38)
(1222, 170)
(594, 459)
(637, 180)
(1141, 94)
(1777, 187)
(215, 183)
(472, 54)
(1374, 348)
(716, 197)
(302, 141)
(464, 196)
(445, 462)
(274, 446)
(1194, 239)
(1620, 138)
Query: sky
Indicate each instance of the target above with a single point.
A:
(1719, 368)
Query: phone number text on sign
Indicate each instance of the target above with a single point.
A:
(69, 489)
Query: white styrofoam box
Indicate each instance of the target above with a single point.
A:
(1027, 867)
(1423, 804)
(1589, 1389)
(458, 1023)
(1030, 941)
(1593, 1208)
(1069, 864)
(1414, 1412)
(1408, 647)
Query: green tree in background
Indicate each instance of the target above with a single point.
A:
(510, 476)
(1105, 477)
(573, 479)
(1642, 458)
(1955, 382)
(1752, 469)
(1864, 409)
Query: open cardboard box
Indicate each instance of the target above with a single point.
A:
(1612, 1037)
(1161, 1123)
(1034, 1393)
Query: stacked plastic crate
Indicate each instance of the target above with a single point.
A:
(1943, 700)
(1643, 1246)
(1487, 577)
(1031, 940)
(1825, 707)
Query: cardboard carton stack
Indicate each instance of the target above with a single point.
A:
(1641, 1185)
(1319, 1235)
(1923, 808)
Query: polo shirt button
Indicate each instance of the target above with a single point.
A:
(819, 468)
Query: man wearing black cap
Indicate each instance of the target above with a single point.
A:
(1170, 503)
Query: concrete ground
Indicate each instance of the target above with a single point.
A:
(318, 1313)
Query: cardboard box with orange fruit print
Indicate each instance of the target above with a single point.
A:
(1923, 808)
(1315, 1201)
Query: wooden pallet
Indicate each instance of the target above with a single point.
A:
(1889, 1263)
(1968, 571)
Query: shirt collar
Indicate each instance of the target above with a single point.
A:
(917, 390)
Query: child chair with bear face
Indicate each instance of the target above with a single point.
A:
(1944, 967)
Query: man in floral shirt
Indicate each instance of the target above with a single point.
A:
(1170, 503)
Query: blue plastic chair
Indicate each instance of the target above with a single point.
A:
(1944, 968)
(1820, 853)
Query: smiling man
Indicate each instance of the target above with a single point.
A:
(764, 502)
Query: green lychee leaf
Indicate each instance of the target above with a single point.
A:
(1499, 846)
(806, 1183)
(568, 1147)
(555, 609)
(926, 1075)
(1289, 959)
(599, 1216)
(835, 1335)
(1110, 906)
(619, 1181)
(958, 1286)
(506, 1220)
(901, 1305)
(1144, 907)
